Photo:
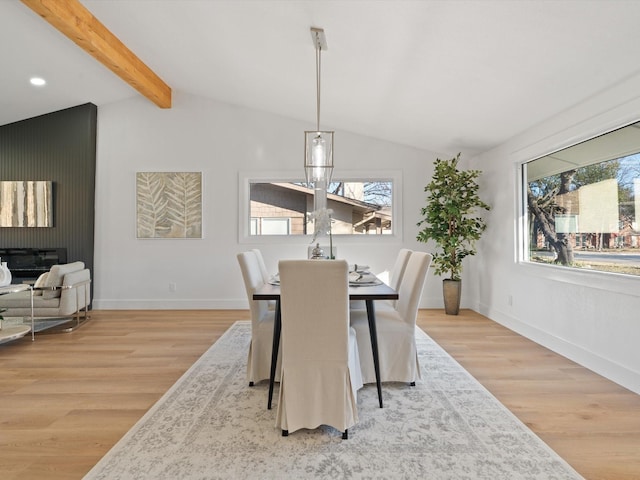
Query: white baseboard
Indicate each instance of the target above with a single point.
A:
(612, 371)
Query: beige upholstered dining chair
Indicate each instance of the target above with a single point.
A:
(399, 266)
(263, 267)
(395, 278)
(396, 329)
(262, 321)
(320, 365)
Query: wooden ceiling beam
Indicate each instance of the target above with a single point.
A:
(72, 19)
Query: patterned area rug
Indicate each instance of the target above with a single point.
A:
(212, 425)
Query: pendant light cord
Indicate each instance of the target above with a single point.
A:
(318, 67)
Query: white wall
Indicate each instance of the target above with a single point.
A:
(590, 317)
(221, 141)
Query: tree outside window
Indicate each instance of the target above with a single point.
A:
(584, 213)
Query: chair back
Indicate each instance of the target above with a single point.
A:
(252, 276)
(315, 387)
(263, 268)
(412, 284)
(315, 310)
(400, 265)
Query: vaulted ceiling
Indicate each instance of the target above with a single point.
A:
(446, 76)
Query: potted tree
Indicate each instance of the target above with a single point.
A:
(450, 218)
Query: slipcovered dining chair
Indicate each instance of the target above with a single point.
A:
(395, 278)
(396, 329)
(262, 321)
(263, 267)
(399, 266)
(396, 275)
(320, 365)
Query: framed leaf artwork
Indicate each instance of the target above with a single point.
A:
(169, 204)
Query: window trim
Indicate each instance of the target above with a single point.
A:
(597, 279)
(245, 178)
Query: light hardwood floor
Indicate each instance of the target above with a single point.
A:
(65, 399)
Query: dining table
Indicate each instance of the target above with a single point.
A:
(367, 292)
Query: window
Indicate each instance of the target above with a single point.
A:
(282, 205)
(272, 226)
(583, 204)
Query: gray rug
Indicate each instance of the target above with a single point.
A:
(212, 425)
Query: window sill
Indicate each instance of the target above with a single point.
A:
(611, 282)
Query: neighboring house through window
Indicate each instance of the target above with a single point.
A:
(360, 206)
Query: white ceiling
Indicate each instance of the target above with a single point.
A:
(446, 76)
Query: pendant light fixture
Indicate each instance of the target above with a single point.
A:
(318, 144)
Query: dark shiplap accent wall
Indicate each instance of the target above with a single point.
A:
(61, 147)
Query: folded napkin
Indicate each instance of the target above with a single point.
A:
(362, 278)
(354, 276)
(356, 268)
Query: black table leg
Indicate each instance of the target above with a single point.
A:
(371, 317)
(277, 324)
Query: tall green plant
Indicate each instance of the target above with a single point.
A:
(450, 216)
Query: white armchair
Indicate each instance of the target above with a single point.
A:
(64, 291)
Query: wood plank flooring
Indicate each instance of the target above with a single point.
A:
(593, 423)
(66, 399)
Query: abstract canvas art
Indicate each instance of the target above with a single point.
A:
(169, 204)
(26, 203)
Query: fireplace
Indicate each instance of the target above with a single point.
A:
(29, 263)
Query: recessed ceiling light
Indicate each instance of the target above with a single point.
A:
(37, 81)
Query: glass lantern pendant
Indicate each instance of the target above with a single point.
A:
(318, 156)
